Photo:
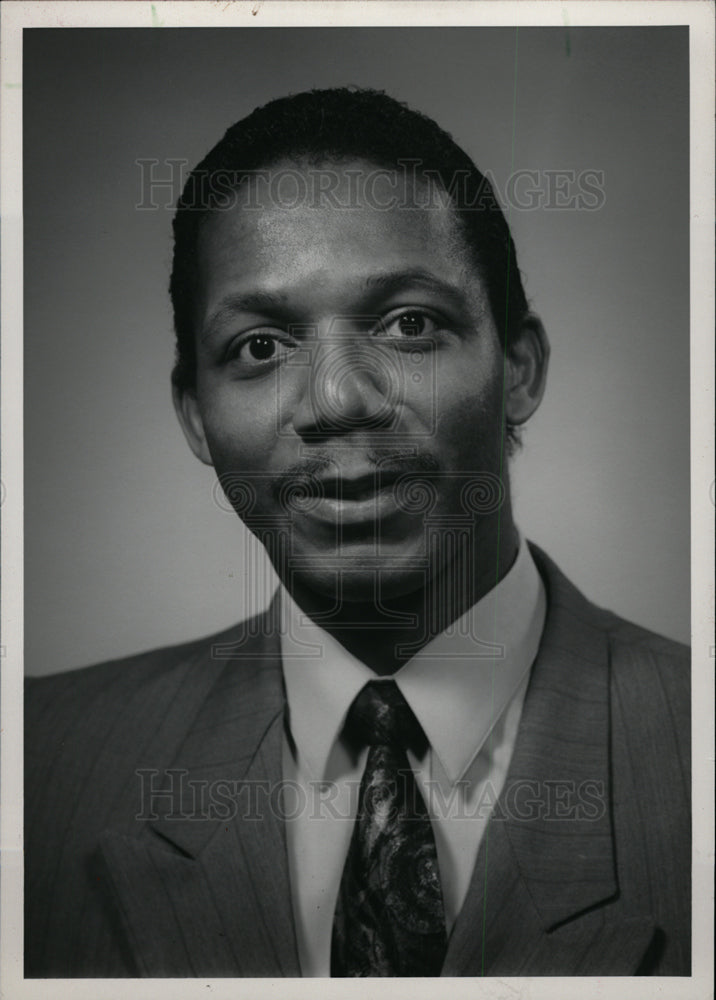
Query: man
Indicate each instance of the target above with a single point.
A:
(431, 755)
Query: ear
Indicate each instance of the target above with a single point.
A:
(526, 371)
(189, 416)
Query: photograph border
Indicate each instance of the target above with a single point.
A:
(346, 13)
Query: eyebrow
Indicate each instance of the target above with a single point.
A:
(246, 302)
(390, 282)
(384, 282)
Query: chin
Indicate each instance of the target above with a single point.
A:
(361, 578)
(367, 567)
(360, 586)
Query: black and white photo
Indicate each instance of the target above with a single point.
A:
(359, 584)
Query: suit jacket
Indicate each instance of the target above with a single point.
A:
(154, 848)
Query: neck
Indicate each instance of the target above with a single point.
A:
(386, 635)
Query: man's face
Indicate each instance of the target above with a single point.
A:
(349, 383)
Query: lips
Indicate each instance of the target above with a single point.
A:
(351, 499)
(356, 488)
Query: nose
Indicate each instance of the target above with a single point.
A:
(350, 387)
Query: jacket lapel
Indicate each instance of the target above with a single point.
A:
(544, 893)
(203, 888)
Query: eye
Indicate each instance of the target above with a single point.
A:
(259, 349)
(409, 323)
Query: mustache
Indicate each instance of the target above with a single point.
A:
(396, 462)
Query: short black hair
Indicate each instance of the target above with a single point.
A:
(334, 125)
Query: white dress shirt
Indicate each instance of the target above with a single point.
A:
(466, 688)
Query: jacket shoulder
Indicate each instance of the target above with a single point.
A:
(159, 659)
(77, 701)
(655, 668)
(633, 651)
(627, 634)
(649, 674)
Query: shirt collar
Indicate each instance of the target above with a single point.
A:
(458, 685)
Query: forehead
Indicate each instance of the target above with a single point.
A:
(300, 222)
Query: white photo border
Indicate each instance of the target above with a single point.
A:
(262, 13)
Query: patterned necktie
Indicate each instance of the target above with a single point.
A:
(389, 918)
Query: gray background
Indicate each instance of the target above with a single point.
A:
(125, 545)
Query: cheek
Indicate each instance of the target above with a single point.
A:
(468, 403)
(240, 424)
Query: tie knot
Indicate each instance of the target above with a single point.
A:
(380, 716)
